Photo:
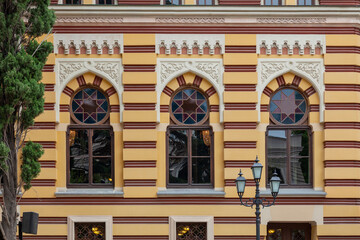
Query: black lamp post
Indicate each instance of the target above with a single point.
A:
(257, 201)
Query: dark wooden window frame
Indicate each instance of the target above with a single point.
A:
(112, 2)
(90, 128)
(189, 157)
(312, 3)
(212, 3)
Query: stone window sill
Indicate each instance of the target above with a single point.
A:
(88, 192)
(294, 192)
(184, 192)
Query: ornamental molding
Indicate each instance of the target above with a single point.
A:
(190, 41)
(210, 69)
(92, 19)
(87, 42)
(68, 69)
(189, 20)
(310, 69)
(316, 44)
(290, 20)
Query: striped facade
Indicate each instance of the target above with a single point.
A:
(137, 56)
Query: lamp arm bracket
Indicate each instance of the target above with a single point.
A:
(268, 204)
(246, 204)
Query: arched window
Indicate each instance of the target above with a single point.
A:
(288, 140)
(90, 140)
(189, 140)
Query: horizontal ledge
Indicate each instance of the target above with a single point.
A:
(190, 193)
(294, 192)
(89, 192)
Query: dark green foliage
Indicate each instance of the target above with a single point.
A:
(4, 153)
(30, 167)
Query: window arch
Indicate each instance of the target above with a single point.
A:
(189, 140)
(90, 139)
(288, 138)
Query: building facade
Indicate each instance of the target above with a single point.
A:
(152, 107)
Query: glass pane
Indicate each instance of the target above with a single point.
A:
(200, 141)
(309, 2)
(101, 1)
(178, 170)
(276, 143)
(191, 231)
(201, 2)
(102, 170)
(101, 144)
(89, 231)
(209, 2)
(298, 235)
(299, 143)
(178, 143)
(274, 234)
(300, 171)
(280, 166)
(79, 169)
(275, 2)
(301, 2)
(78, 142)
(267, 2)
(201, 170)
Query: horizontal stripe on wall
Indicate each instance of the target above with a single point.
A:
(43, 125)
(49, 87)
(342, 87)
(133, 144)
(341, 220)
(342, 163)
(52, 220)
(139, 87)
(239, 2)
(139, 49)
(240, 125)
(47, 164)
(342, 125)
(46, 144)
(214, 108)
(181, 201)
(231, 182)
(45, 237)
(234, 220)
(139, 164)
(237, 237)
(139, 2)
(338, 237)
(43, 182)
(140, 183)
(141, 237)
(341, 144)
(68, 91)
(49, 106)
(114, 108)
(139, 125)
(342, 49)
(240, 68)
(64, 108)
(314, 108)
(48, 68)
(141, 220)
(240, 87)
(264, 108)
(238, 164)
(192, 28)
(342, 106)
(139, 106)
(339, 2)
(139, 68)
(164, 108)
(240, 144)
(240, 49)
(240, 106)
(342, 182)
(342, 68)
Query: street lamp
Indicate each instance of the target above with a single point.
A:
(257, 201)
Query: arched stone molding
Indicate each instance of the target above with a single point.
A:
(209, 69)
(68, 69)
(309, 69)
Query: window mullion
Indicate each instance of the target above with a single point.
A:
(189, 158)
(288, 149)
(90, 157)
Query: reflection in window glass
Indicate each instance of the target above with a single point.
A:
(305, 2)
(273, 2)
(178, 170)
(105, 2)
(79, 156)
(205, 2)
(173, 2)
(73, 2)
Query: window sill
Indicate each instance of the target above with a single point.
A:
(184, 192)
(294, 192)
(88, 192)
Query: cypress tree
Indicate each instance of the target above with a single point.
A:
(22, 58)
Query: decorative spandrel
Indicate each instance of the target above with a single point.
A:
(191, 231)
(288, 106)
(90, 231)
(90, 106)
(189, 106)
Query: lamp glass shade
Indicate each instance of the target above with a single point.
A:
(256, 170)
(275, 184)
(240, 184)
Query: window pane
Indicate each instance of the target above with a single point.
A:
(178, 143)
(178, 170)
(101, 1)
(79, 169)
(301, 2)
(101, 144)
(108, 1)
(300, 171)
(201, 2)
(267, 2)
(200, 141)
(280, 166)
(89, 231)
(209, 2)
(309, 2)
(298, 234)
(299, 144)
(102, 170)
(201, 170)
(275, 2)
(79, 142)
(191, 231)
(276, 152)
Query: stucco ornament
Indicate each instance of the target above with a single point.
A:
(66, 69)
(269, 69)
(313, 69)
(169, 68)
